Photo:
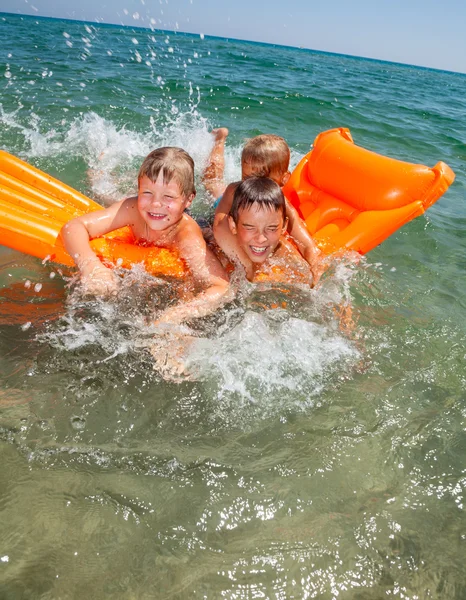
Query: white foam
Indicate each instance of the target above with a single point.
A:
(113, 153)
(263, 358)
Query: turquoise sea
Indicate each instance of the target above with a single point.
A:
(299, 461)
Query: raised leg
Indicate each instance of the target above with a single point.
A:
(212, 177)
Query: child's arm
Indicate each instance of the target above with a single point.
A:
(207, 271)
(77, 233)
(306, 245)
(224, 238)
(223, 207)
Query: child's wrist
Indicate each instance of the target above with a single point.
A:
(88, 265)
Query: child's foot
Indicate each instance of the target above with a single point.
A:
(212, 177)
(220, 134)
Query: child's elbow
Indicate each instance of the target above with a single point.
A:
(227, 292)
(65, 231)
(221, 286)
(69, 229)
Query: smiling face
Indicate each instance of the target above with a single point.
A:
(161, 204)
(258, 230)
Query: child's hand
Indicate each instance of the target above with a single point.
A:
(318, 268)
(169, 352)
(101, 281)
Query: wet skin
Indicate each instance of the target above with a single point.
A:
(258, 232)
(160, 204)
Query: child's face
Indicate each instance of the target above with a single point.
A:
(250, 170)
(258, 231)
(161, 204)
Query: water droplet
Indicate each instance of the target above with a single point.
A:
(78, 423)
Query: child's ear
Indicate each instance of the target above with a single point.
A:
(285, 178)
(232, 225)
(190, 199)
(285, 225)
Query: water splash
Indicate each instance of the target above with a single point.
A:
(270, 356)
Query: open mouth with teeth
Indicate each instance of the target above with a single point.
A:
(156, 216)
(259, 250)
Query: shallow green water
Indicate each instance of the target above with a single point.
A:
(301, 462)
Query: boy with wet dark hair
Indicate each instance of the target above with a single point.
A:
(254, 233)
(264, 155)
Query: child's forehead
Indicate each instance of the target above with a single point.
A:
(162, 181)
(261, 212)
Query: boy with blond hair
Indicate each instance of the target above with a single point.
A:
(157, 217)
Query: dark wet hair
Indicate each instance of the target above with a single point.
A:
(260, 191)
(175, 163)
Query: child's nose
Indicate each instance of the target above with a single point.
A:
(261, 237)
(156, 201)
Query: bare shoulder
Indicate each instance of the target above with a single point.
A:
(128, 206)
(188, 234)
(193, 248)
(287, 250)
(113, 217)
(292, 267)
(125, 213)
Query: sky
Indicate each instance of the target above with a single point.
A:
(426, 33)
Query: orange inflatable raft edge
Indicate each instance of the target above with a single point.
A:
(352, 198)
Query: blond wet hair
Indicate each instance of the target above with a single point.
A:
(267, 154)
(174, 163)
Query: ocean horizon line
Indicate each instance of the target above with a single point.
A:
(232, 39)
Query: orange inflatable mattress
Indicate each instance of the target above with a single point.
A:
(349, 197)
(352, 198)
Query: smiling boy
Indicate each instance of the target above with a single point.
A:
(253, 233)
(264, 155)
(157, 217)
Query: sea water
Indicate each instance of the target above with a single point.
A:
(299, 459)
